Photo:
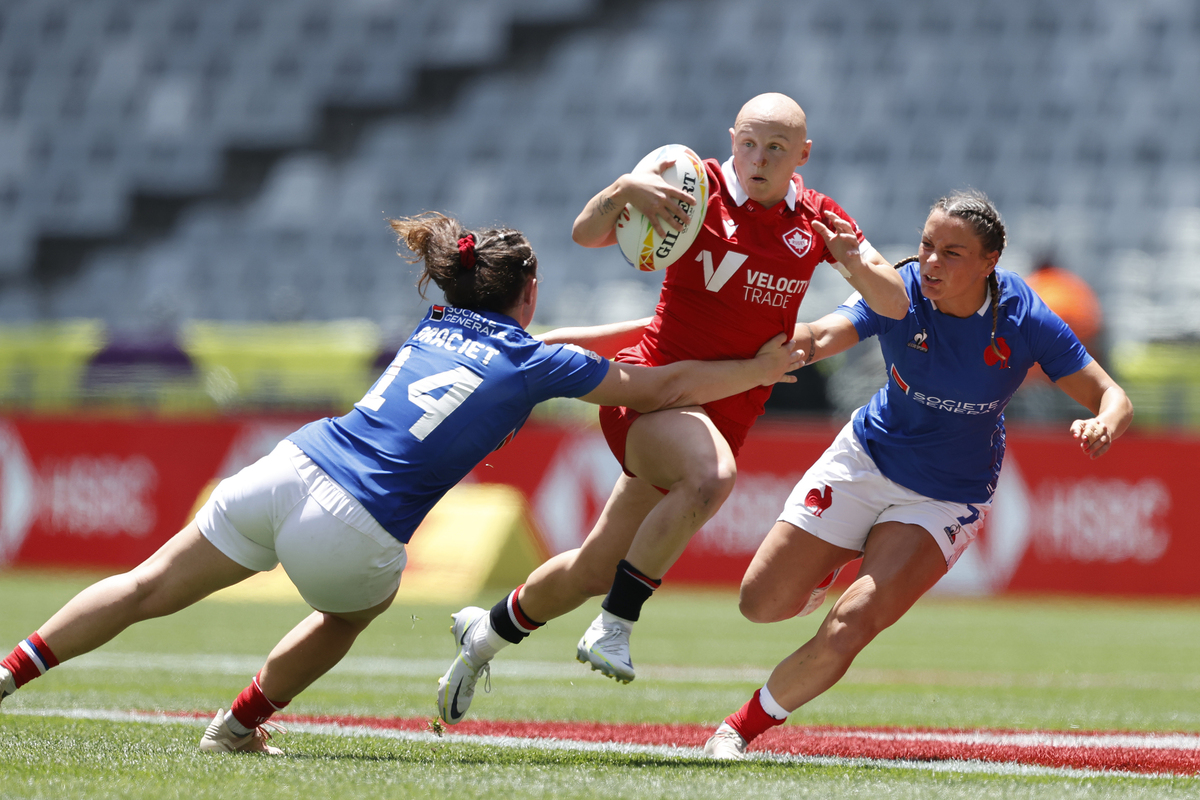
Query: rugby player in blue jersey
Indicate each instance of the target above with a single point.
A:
(908, 482)
(338, 499)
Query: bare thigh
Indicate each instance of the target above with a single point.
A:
(786, 568)
(901, 562)
(683, 451)
(678, 444)
(185, 569)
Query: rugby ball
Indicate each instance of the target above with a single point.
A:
(641, 246)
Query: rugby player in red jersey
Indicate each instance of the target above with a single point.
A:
(739, 283)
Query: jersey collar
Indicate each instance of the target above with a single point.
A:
(987, 302)
(739, 194)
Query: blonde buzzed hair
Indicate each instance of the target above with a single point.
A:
(774, 107)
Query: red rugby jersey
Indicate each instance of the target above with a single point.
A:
(740, 283)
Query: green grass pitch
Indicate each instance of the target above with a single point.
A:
(1034, 663)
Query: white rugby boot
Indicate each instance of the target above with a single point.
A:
(456, 688)
(605, 646)
(219, 739)
(817, 598)
(726, 744)
(8, 684)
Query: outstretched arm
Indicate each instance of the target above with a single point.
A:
(866, 270)
(647, 191)
(1092, 388)
(693, 383)
(828, 336)
(606, 340)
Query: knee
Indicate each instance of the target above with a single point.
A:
(146, 593)
(759, 606)
(848, 631)
(710, 484)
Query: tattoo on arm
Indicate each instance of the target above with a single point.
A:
(605, 205)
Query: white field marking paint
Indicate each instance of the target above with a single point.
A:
(516, 669)
(664, 751)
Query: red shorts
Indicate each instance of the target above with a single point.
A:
(615, 422)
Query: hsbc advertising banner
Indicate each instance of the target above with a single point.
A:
(106, 494)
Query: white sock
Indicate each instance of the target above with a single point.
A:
(483, 643)
(770, 705)
(614, 620)
(235, 727)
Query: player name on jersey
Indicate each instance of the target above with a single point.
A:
(455, 342)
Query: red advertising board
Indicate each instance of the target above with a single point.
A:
(77, 492)
(1064, 523)
(108, 493)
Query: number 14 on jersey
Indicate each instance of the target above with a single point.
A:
(461, 382)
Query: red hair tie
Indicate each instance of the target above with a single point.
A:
(466, 251)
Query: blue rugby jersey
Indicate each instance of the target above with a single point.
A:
(937, 425)
(462, 385)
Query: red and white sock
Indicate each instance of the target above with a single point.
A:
(251, 709)
(760, 714)
(30, 659)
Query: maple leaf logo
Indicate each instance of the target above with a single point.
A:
(798, 241)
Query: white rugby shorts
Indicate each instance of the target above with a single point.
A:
(285, 509)
(843, 495)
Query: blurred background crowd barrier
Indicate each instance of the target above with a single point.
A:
(193, 196)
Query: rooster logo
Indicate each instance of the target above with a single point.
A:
(997, 353)
(818, 502)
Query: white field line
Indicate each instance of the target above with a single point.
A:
(665, 751)
(517, 669)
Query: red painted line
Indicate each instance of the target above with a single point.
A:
(1077, 753)
(1106, 751)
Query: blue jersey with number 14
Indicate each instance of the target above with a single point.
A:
(461, 386)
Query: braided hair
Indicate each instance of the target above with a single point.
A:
(482, 270)
(973, 207)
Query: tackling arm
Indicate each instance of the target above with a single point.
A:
(828, 336)
(606, 340)
(693, 383)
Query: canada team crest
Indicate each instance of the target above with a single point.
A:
(798, 241)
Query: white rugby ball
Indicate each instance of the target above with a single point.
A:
(641, 246)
